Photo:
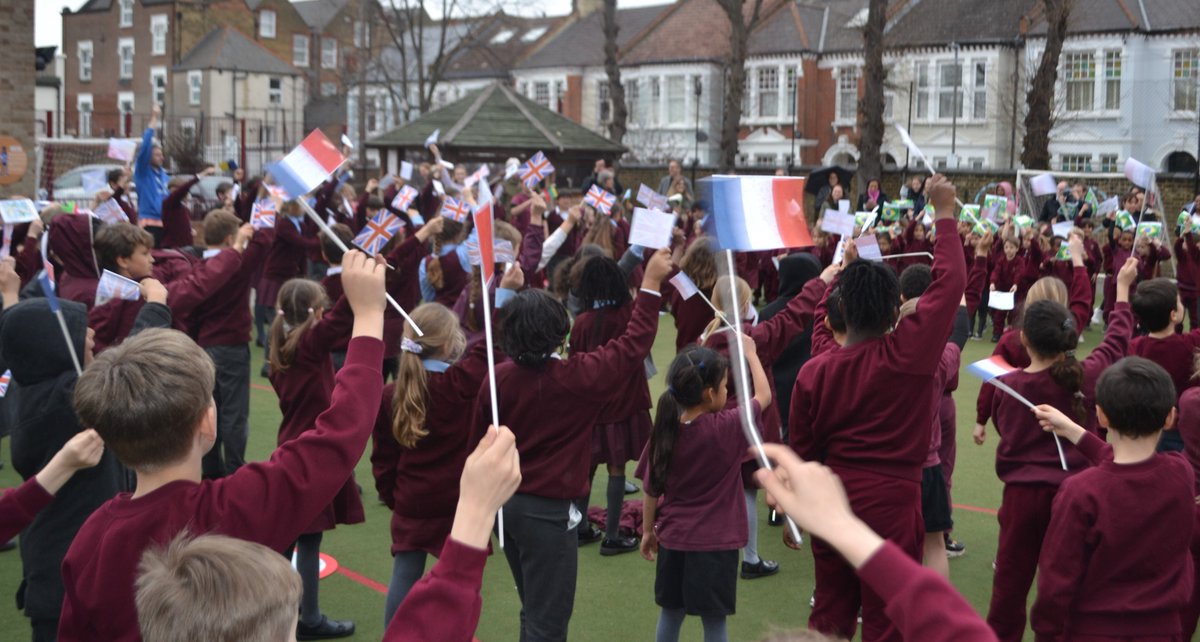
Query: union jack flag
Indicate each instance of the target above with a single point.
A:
(600, 199)
(4, 379)
(404, 197)
(455, 210)
(378, 232)
(262, 215)
(536, 169)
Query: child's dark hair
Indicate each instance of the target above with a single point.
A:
(870, 297)
(534, 327)
(833, 311)
(914, 280)
(1153, 302)
(374, 203)
(601, 284)
(693, 371)
(330, 249)
(119, 241)
(1050, 331)
(1136, 395)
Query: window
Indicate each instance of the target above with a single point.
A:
(847, 93)
(331, 89)
(158, 84)
(85, 60)
(652, 106)
(559, 89)
(764, 160)
(275, 91)
(328, 53)
(633, 101)
(1076, 163)
(889, 105)
(125, 56)
(791, 92)
(523, 89)
(158, 34)
(195, 84)
(266, 24)
(84, 103)
(300, 50)
(603, 106)
(502, 37)
(1184, 79)
(768, 92)
(362, 34)
(1108, 163)
(979, 92)
(125, 105)
(533, 34)
(950, 92)
(541, 94)
(188, 127)
(676, 100)
(1112, 80)
(126, 8)
(975, 163)
(1079, 73)
(940, 162)
(923, 90)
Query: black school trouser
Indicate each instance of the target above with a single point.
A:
(232, 396)
(543, 554)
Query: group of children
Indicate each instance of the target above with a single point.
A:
(162, 531)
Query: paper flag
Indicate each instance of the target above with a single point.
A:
(406, 170)
(1063, 230)
(998, 300)
(1043, 185)
(121, 149)
(836, 222)
(651, 228)
(17, 211)
(433, 138)
(1139, 173)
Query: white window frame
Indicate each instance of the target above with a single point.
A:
(160, 24)
(844, 76)
(362, 34)
(265, 31)
(85, 115)
(329, 53)
(275, 94)
(1178, 80)
(86, 63)
(123, 45)
(1108, 163)
(158, 94)
(676, 110)
(125, 98)
(955, 90)
(1075, 162)
(195, 80)
(923, 85)
(791, 84)
(1111, 77)
(767, 85)
(297, 59)
(1076, 65)
(541, 93)
(125, 9)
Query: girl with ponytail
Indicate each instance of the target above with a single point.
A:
(1027, 459)
(694, 514)
(444, 273)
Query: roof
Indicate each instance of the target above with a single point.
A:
(104, 5)
(666, 39)
(926, 23)
(500, 45)
(1109, 16)
(226, 48)
(496, 118)
(318, 13)
(581, 44)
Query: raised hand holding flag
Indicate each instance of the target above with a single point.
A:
(404, 198)
(600, 199)
(262, 214)
(455, 210)
(114, 286)
(378, 231)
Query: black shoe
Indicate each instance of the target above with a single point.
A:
(630, 488)
(590, 535)
(265, 372)
(8, 546)
(775, 519)
(762, 569)
(995, 338)
(618, 545)
(955, 548)
(326, 629)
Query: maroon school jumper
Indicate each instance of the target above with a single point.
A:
(224, 319)
(1027, 462)
(1187, 262)
(70, 245)
(20, 505)
(404, 284)
(1099, 575)
(269, 503)
(877, 442)
(552, 409)
(177, 218)
(454, 277)
(691, 317)
(304, 390)
(445, 604)
(287, 256)
(420, 484)
(1010, 342)
(622, 429)
(1005, 276)
(1189, 430)
(1174, 352)
(188, 286)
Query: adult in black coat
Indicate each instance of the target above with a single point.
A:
(795, 270)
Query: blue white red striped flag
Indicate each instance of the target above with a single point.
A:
(4, 380)
(751, 213)
(990, 368)
(307, 166)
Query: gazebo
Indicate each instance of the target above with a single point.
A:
(493, 124)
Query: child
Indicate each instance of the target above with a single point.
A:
(555, 403)
(1097, 578)
(1159, 310)
(422, 435)
(1005, 274)
(162, 433)
(18, 507)
(1027, 460)
(332, 253)
(1189, 431)
(295, 236)
(1187, 272)
(694, 515)
(176, 215)
(877, 443)
(70, 246)
(444, 273)
(699, 262)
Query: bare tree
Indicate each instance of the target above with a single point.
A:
(870, 164)
(616, 91)
(1039, 119)
(739, 40)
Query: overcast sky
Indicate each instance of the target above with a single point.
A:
(48, 20)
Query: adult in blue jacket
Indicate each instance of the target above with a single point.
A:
(151, 179)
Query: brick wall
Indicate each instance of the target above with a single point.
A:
(16, 92)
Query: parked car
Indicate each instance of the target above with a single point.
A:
(69, 186)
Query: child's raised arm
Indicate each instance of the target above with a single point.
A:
(762, 386)
(19, 507)
(363, 285)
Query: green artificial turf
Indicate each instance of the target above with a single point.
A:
(615, 595)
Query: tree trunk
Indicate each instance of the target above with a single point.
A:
(870, 164)
(1035, 152)
(618, 113)
(731, 115)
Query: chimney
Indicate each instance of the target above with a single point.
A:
(583, 8)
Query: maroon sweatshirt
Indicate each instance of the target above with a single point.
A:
(70, 244)
(1175, 353)
(420, 484)
(224, 319)
(1116, 560)
(445, 604)
(839, 408)
(1027, 454)
(1007, 273)
(596, 328)
(1188, 426)
(20, 505)
(691, 317)
(552, 409)
(1187, 261)
(177, 218)
(288, 254)
(269, 503)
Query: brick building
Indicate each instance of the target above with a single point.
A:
(17, 173)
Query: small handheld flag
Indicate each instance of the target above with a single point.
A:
(110, 212)
(4, 380)
(455, 210)
(47, 281)
(432, 139)
(651, 198)
(121, 149)
(114, 286)
(684, 285)
(1043, 185)
(487, 268)
(990, 370)
(262, 214)
(378, 231)
(308, 165)
(536, 169)
(404, 198)
(600, 199)
(751, 213)
(17, 211)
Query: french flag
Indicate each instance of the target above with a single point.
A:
(751, 213)
(308, 165)
(990, 368)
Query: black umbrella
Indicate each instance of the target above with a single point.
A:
(820, 178)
